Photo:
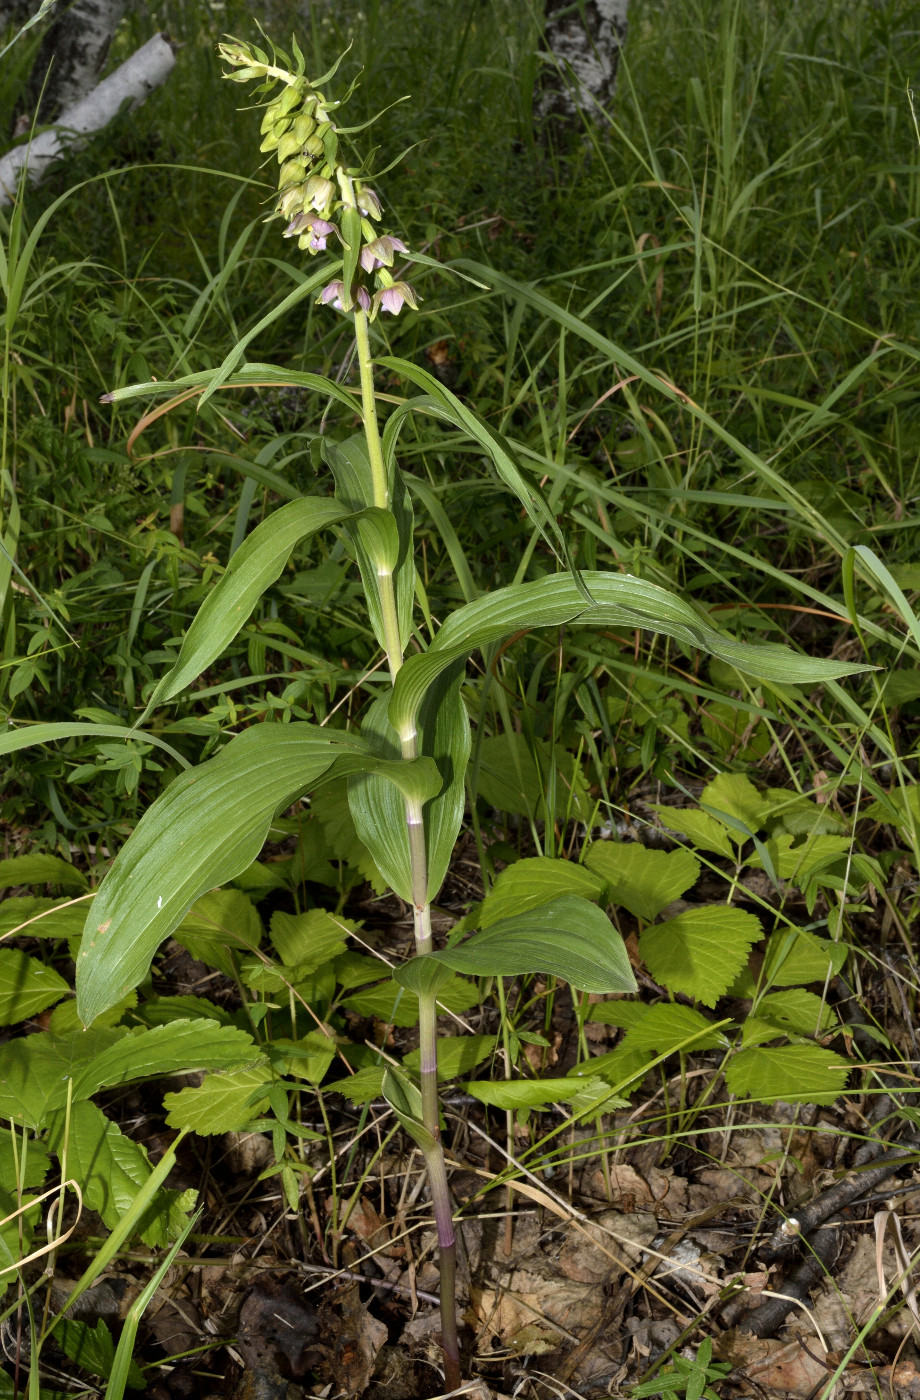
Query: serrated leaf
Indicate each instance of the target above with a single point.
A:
(27, 986)
(110, 1168)
(393, 1005)
(93, 1349)
(457, 1054)
(178, 1046)
(221, 1103)
(797, 1011)
(218, 922)
(640, 880)
(794, 956)
(523, 1093)
(32, 1079)
(568, 937)
(308, 940)
(44, 918)
(160, 1011)
(669, 1026)
(796, 862)
(619, 600)
(363, 1086)
(702, 951)
(737, 797)
(787, 1073)
(534, 881)
(17, 1168)
(41, 869)
(706, 832)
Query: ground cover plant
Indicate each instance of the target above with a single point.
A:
(777, 903)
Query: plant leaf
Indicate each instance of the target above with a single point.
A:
(794, 956)
(221, 1103)
(568, 937)
(111, 1170)
(207, 827)
(524, 1093)
(256, 565)
(306, 941)
(702, 951)
(378, 811)
(534, 881)
(642, 881)
(42, 869)
(619, 600)
(93, 1349)
(706, 832)
(27, 986)
(218, 924)
(457, 1054)
(787, 1073)
(165, 1049)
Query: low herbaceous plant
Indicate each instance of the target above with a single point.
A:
(406, 768)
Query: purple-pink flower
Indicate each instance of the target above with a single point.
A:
(379, 252)
(392, 298)
(335, 291)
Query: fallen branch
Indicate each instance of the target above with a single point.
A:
(132, 82)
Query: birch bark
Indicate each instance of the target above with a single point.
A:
(582, 39)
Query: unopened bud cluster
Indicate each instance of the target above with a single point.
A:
(318, 196)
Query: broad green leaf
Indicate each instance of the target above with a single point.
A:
(794, 956)
(424, 976)
(736, 796)
(705, 832)
(219, 924)
(524, 1093)
(207, 826)
(620, 600)
(622, 1068)
(308, 1058)
(787, 1074)
(64, 1020)
(457, 1054)
(27, 986)
(93, 1349)
(640, 880)
(221, 1103)
(796, 862)
(568, 937)
(161, 1050)
(701, 952)
(308, 940)
(797, 1011)
(256, 565)
(111, 1170)
(670, 1026)
(513, 780)
(42, 870)
(379, 811)
(534, 881)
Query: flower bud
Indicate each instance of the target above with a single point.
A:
(303, 126)
(270, 116)
(291, 97)
(313, 145)
(291, 201)
(368, 203)
(288, 146)
(293, 172)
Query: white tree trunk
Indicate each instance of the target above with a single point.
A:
(583, 39)
(137, 77)
(73, 53)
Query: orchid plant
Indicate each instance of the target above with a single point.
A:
(406, 769)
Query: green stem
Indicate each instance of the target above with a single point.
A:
(421, 905)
